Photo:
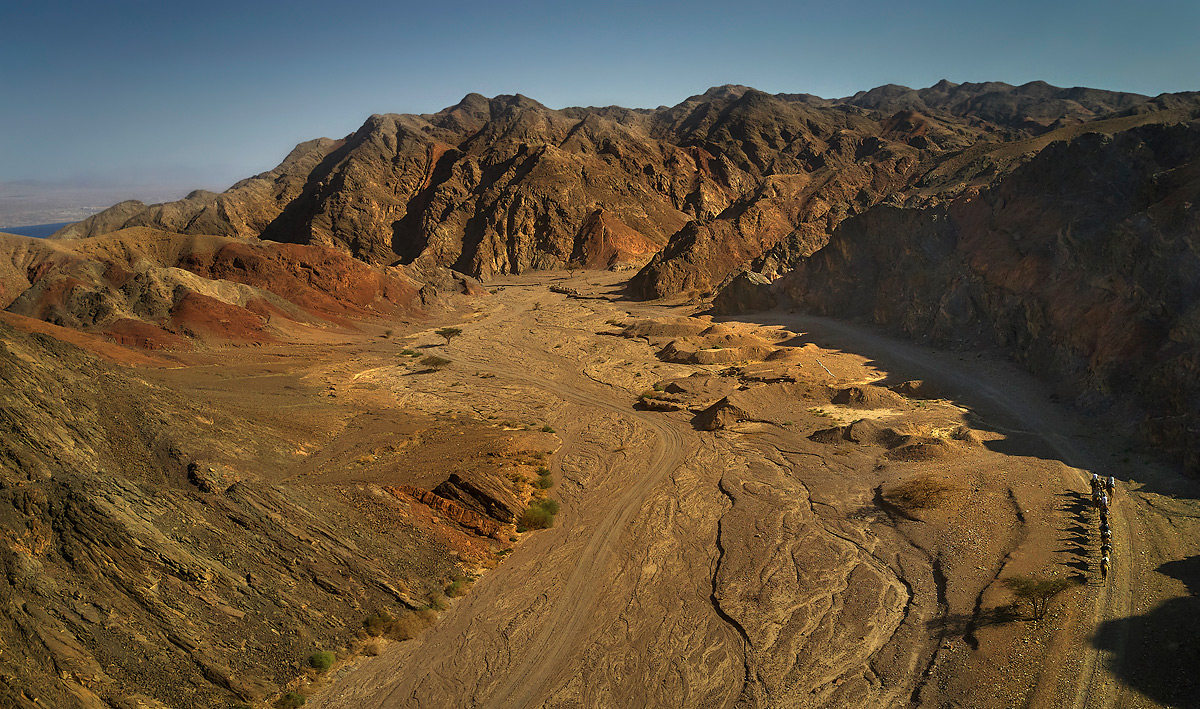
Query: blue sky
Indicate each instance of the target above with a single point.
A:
(202, 94)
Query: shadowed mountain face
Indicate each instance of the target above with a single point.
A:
(506, 185)
(1083, 261)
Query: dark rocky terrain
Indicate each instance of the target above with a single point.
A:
(1083, 262)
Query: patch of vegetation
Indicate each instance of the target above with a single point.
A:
(449, 333)
(408, 353)
(920, 494)
(547, 429)
(377, 624)
(539, 515)
(291, 700)
(1037, 592)
(544, 482)
(435, 362)
(321, 661)
(387, 334)
(402, 627)
(457, 587)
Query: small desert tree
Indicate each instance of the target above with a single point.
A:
(1037, 592)
(434, 362)
(449, 333)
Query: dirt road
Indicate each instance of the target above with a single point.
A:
(998, 390)
(692, 569)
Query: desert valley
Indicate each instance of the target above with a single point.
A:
(758, 400)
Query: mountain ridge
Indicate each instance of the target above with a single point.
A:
(506, 185)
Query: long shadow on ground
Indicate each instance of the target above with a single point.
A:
(1162, 658)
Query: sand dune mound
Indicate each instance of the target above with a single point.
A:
(919, 450)
(917, 389)
(905, 443)
(867, 397)
(867, 431)
(769, 403)
(660, 331)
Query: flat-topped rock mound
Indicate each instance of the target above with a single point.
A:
(159, 290)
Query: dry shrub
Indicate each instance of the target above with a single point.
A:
(373, 648)
(921, 493)
(408, 625)
(405, 625)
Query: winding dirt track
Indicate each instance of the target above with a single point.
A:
(554, 632)
(1097, 687)
(518, 636)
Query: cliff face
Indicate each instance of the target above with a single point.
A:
(1084, 261)
(506, 185)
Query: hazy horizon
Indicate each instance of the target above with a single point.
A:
(135, 94)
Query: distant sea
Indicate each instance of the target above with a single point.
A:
(39, 231)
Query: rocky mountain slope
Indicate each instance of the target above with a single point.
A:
(1084, 261)
(506, 185)
(188, 533)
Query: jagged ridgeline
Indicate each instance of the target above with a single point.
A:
(506, 185)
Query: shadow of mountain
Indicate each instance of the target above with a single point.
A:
(1023, 410)
(1158, 653)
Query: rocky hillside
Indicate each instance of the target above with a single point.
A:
(1084, 261)
(158, 290)
(180, 538)
(506, 185)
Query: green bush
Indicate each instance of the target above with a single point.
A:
(547, 429)
(322, 660)
(457, 587)
(377, 624)
(291, 700)
(544, 482)
(539, 515)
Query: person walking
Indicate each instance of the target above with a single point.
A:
(1103, 503)
(1111, 485)
(1104, 566)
